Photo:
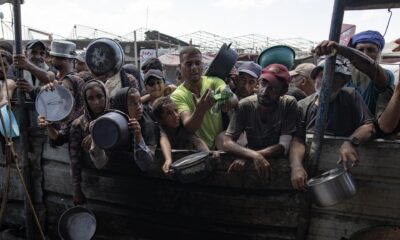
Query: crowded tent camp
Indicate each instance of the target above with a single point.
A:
(163, 137)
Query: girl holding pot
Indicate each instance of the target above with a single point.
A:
(142, 125)
(95, 103)
(59, 132)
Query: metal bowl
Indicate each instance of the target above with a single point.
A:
(77, 223)
(277, 54)
(54, 105)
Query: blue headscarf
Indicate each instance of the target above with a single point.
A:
(368, 37)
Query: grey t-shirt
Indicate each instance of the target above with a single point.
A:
(263, 133)
(346, 113)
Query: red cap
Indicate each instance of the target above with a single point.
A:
(276, 71)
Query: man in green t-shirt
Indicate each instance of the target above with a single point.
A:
(194, 98)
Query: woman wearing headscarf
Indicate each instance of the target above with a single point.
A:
(95, 104)
(59, 132)
(127, 100)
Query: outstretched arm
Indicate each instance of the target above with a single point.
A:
(358, 59)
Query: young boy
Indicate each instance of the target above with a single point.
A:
(173, 135)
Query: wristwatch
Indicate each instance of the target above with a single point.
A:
(354, 141)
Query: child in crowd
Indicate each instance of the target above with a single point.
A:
(173, 134)
(59, 132)
(145, 130)
(95, 102)
(155, 87)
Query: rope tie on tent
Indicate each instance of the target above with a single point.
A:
(12, 156)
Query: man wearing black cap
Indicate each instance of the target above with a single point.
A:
(348, 116)
(155, 84)
(33, 63)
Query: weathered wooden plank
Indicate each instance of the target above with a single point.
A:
(59, 153)
(214, 204)
(378, 159)
(373, 198)
(15, 190)
(134, 222)
(333, 227)
(14, 214)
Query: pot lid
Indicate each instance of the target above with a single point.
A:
(54, 105)
(326, 176)
(189, 159)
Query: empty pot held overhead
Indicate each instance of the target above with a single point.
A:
(223, 62)
(104, 57)
(277, 54)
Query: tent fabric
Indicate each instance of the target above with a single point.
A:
(172, 59)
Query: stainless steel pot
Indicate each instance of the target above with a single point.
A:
(332, 187)
(111, 131)
(192, 168)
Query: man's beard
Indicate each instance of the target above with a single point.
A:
(39, 64)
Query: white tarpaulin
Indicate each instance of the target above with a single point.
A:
(172, 59)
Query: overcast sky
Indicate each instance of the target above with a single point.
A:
(308, 19)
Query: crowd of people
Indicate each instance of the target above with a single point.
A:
(268, 114)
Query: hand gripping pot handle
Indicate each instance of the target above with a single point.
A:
(332, 187)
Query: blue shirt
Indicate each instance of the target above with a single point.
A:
(370, 92)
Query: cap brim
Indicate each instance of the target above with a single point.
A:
(61, 55)
(153, 75)
(293, 73)
(248, 72)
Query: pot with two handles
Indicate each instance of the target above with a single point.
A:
(332, 187)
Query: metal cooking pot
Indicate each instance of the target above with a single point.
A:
(77, 223)
(377, 233)
(223, 62)
(104, 57)
(332, 187)
(193, 167)
(54, 105)
(277, 54)
(110, 131)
